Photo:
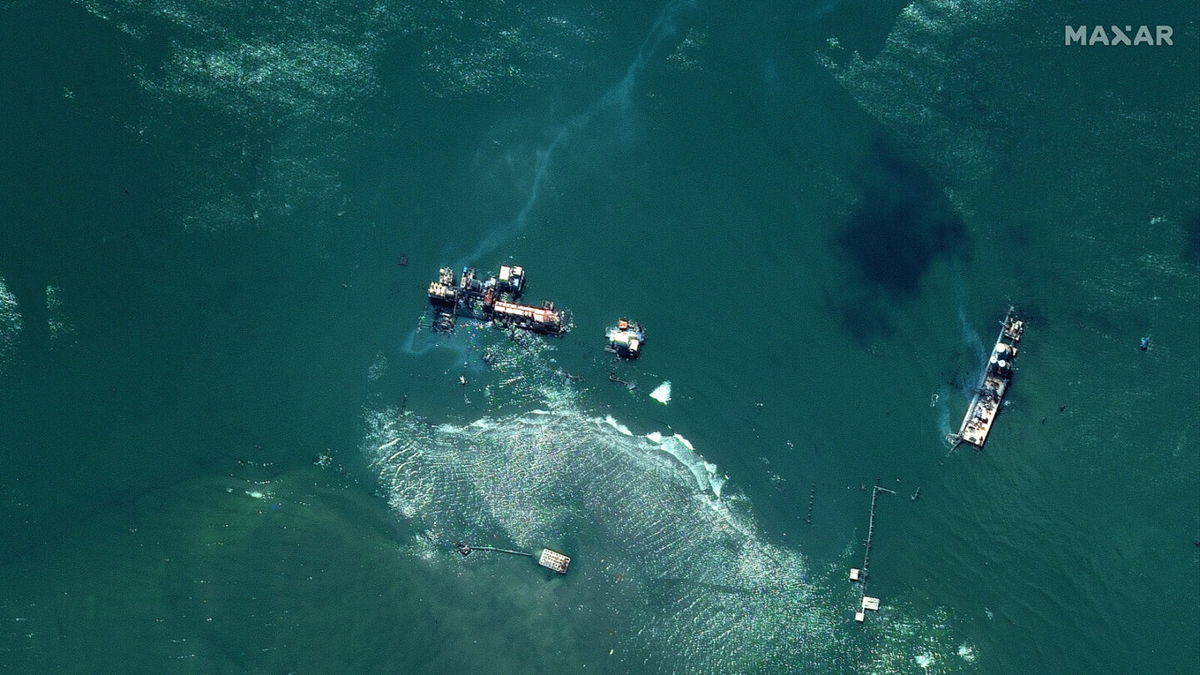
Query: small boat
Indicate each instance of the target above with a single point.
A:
(1145, 345)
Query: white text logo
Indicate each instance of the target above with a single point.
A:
(1114, 36)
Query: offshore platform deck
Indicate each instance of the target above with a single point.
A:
(626, 339)
(989, 395)
(497, 299)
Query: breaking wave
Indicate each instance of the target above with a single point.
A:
(645, 511)
(656, 533)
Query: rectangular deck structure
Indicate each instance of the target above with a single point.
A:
(554, 560)
(989, 395)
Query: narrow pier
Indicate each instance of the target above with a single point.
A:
(860, 575)
(467, 549)
(552, 560)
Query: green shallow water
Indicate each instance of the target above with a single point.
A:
(207, 343)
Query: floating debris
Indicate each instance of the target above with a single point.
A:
(612, 377)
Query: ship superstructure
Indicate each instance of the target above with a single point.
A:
(989, 395)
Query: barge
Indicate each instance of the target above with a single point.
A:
(989, 395)
(626, 339)
(553, 560)
(497, 299)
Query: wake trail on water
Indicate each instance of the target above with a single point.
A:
(616, 98)
(977, 354)
(943, 415)
(971, 339)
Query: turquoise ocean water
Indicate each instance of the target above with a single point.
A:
(228, 446)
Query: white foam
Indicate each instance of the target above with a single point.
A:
(608, 419)
(645, 508)
(58, 322)
(10, 323)
(700, 469)
(378, 367)
(966, 652)
(680, 448)
(662, 393)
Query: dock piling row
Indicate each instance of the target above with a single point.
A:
(860, 575)
(812, 496)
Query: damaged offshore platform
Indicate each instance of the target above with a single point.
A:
(626, 339)
(495, 299)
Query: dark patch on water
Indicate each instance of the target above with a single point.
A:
(959, 376)
(1191, 241)
(863, 316)
(900, 225)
